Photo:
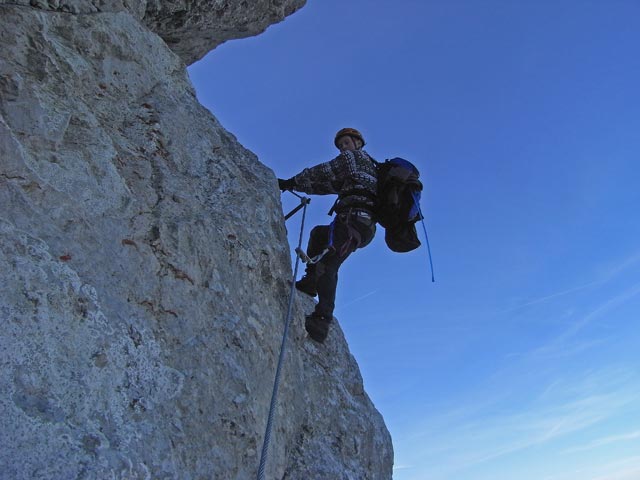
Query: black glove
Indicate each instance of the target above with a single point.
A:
(289, 184)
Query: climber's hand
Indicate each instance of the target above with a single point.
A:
(286, 184)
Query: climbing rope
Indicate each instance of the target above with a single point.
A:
(417, 203)
(304, 201)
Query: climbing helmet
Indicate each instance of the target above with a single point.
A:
(351, 132)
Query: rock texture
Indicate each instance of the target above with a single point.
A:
(191, 28)
(145, 265)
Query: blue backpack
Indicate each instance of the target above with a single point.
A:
(398, 203)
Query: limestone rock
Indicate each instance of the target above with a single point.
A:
(191, 28)
(145, 272)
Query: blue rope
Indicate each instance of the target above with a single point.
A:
(416, 198)
(332, 228)
(274, 395)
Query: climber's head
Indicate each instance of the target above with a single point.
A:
(348, 139)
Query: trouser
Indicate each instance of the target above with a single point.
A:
(349, 231)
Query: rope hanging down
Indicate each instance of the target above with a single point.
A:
(417, 203)
(304, 201)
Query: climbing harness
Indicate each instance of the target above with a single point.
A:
(304, 201)
(353, 237)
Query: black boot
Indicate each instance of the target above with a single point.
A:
(317, 326)
(307, 284)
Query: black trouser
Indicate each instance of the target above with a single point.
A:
(351, 230)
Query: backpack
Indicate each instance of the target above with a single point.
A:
(397, 208)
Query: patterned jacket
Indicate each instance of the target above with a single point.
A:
(351, 175)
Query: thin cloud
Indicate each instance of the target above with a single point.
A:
(558, 344)
(614, 271)
(359, 299)
(624, 469)
(551, 296)
(475, 436)
(605, 277)
(569, 350)
(539, 426)
(625, 437)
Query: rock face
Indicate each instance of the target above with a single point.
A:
(191, 28)
(145, 265)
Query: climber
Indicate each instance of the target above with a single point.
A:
(352, 176)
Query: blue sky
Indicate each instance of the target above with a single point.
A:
(521, 360)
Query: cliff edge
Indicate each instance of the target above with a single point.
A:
(145, 264)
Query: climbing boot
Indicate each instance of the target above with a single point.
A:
(317, 326)
(307, 284)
